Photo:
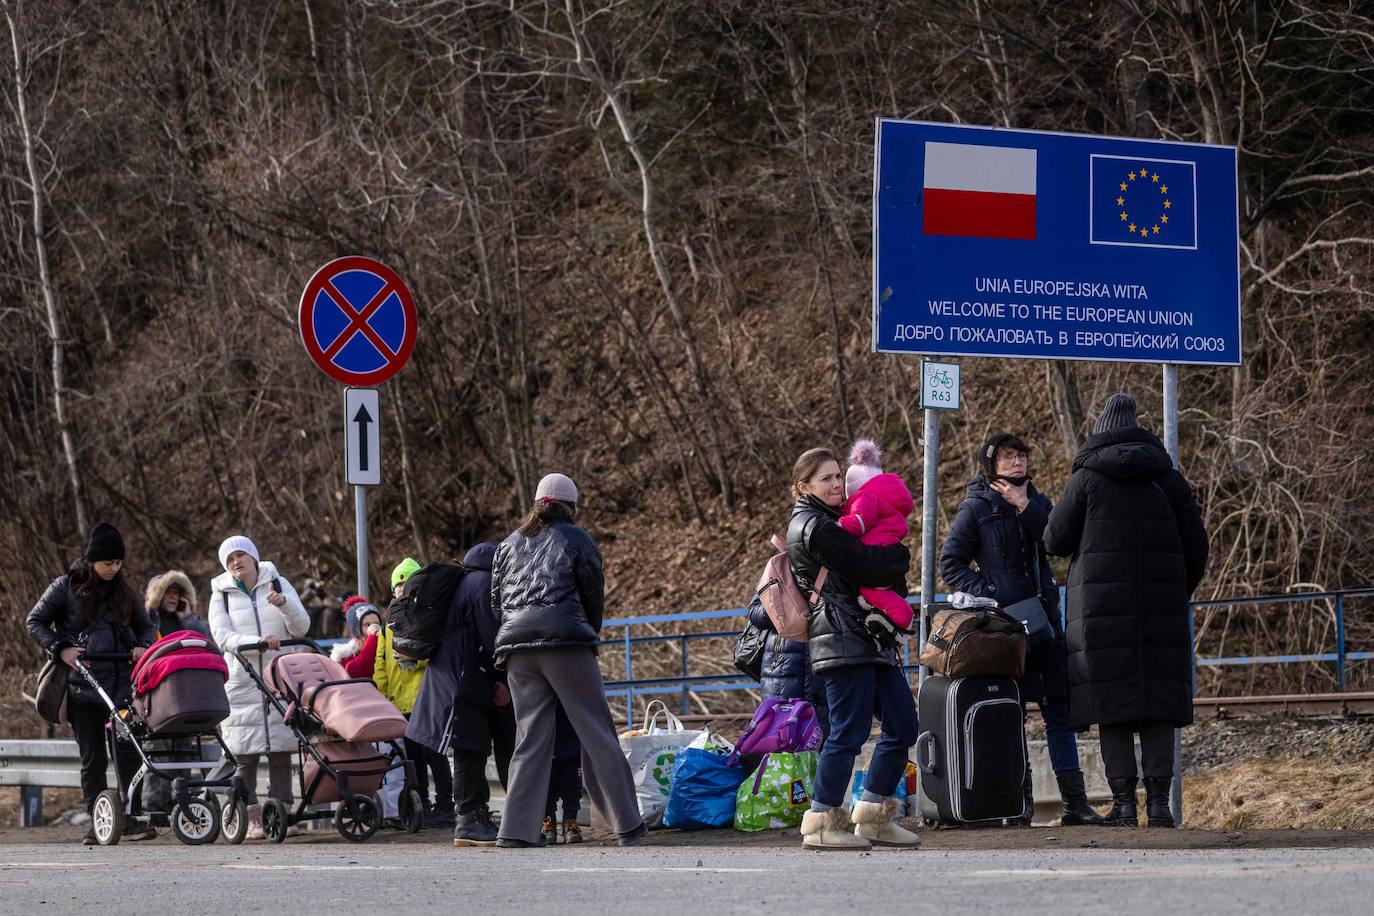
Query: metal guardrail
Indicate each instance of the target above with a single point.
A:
(33, 765)
(687, 684)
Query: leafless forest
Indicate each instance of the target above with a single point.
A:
(638, 234)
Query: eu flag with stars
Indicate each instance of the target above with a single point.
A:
(1142, 202)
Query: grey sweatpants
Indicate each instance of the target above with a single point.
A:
(536, 679)
(278, 776)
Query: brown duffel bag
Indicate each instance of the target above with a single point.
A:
(976, 642)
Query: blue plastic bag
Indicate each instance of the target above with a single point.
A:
(857, 792)
(704, 789)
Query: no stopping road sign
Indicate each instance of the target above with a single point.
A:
(358, 321)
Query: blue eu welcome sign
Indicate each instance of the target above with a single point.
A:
(992, 242)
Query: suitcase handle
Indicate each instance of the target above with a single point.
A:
(925, 753)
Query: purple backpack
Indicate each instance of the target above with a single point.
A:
(780, 726)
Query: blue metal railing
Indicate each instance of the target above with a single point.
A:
(687, 684)
(1341, 657)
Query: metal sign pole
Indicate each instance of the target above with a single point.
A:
(1171, 446)
(363, 460)
(360, 520)
(929, 502)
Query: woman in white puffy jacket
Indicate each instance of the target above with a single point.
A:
(251, 603)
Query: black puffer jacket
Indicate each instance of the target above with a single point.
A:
(836, 631)
(786, 664)
(989, 533)
(1139, 550)
(57, 622)
(547, 591)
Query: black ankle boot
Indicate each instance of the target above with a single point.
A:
(1157, 801)
(1027, 802)
(1123, 813)
(1076, 811)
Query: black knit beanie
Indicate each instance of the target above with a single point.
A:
(105, 544)
(1118, 414)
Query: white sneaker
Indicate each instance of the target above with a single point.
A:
(254, 823)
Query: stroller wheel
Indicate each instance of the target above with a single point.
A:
(274, 817)
(234, 822)
(412, 811)
(107, 817)
(197, 822)
(357, 818)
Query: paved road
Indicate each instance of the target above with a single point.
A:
(307, 878)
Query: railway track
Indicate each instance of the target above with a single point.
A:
(1298, 704)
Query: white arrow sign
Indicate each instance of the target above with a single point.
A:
(362, 436)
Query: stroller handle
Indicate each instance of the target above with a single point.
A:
(107, 656)
(295, 641)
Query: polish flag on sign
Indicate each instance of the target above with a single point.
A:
(981, 191)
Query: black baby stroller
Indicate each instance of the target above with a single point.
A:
(337, 721)
(178, 694)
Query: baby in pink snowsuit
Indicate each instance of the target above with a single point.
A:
(876, 512)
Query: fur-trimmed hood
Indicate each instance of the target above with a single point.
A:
(158, 585)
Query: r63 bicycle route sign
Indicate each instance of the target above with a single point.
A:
(939, 385)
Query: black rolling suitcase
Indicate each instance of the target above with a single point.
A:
(971, 752)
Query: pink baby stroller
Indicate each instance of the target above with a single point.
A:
(179, 695)
(337, 721)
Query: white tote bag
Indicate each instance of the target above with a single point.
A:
(651, 752)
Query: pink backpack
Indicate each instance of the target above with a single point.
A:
(780, 726)
(789, 610)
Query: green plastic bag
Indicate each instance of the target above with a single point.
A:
(778, 793)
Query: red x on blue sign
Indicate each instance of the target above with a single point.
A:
(358, 321)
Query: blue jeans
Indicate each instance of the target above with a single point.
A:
(855, 695)
(1062, 742)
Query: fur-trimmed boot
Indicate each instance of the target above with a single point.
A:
(830, 830)
(1076, 812)
(1123, 813)
(1157, 813)
(874, 822)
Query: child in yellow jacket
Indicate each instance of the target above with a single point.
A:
(400, 683)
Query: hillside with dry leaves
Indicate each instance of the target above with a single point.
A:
(638, 234)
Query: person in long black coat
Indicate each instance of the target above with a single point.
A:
(463, 703)
(993, 550)
(1129, 521)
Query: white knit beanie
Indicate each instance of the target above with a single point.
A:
(237, 542)
(556, 486)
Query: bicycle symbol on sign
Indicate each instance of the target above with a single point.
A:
(942, 378)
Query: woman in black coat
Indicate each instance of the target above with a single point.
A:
(1139, 550)
(93, 609)
(860, 678)
(994, 550)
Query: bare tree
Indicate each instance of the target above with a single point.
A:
(25, 52)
